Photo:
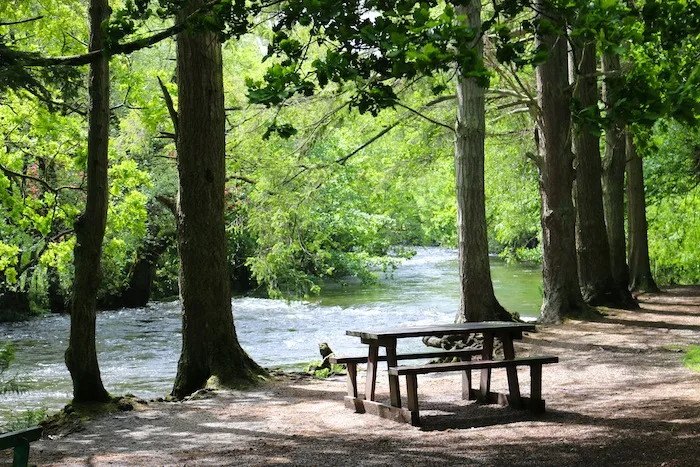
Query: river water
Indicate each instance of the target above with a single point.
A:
(138, 348)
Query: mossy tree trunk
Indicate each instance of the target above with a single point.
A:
(210, 347)
(477, 299)
(613, 179)
(593, 253)
(641, 278)
(562, 296)
(81, 355)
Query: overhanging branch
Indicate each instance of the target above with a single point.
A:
(16, 58)
(44, 183)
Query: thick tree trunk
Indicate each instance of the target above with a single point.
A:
(210, 347)
(614, 182)
(81, 355)
(477, 299)
(593, 254)
(640, 271)
(562, 296)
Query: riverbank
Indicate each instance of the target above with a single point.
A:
(619, 396)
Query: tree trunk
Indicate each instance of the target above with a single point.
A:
(640, 271)
(81, 355)
(562, 296)
(477, 299)
(614, 181)
(210, 347)
(593, 254)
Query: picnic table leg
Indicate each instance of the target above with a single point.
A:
(536, 402)
(486, 354)
(352, 379)
(21, 454)
(394, 390)
(512, 372)
(467, 382)
(371, 383)
(412, 390)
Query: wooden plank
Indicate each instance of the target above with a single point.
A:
(467, 385)
(470, 365)
(536, 382)
(352, 379)
(444, 329)
(462, 353)
(371, 382)
(394, 389)
(381, 410)
(486, 355)
(407, 416)
(511, 372)
(412, 390)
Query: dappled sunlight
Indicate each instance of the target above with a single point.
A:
(619, 395)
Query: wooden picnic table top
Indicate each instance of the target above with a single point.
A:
(444, 329)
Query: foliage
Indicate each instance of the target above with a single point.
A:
(691, 358)
(25, 419)
(512, 197)
(320, 372)
(674, 233)
(41, 188)
(7, 356)
(316, 188)
(673, 196)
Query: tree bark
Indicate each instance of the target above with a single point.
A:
(210, 347)
(562, 296)
(477, 299)
(593, 253)
(81, 355)
(614, 180)
(641, 278)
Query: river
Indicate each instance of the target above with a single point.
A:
(138, 348)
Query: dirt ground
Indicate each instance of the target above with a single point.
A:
(619, 396)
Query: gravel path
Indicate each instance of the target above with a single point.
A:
(619, 396)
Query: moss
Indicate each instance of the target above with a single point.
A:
(73, 416)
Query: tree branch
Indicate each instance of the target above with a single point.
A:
(386, 130)
(168, 203)
(22, 21)
(44, 183)
(425, 116)
(37, 256)
(171, 107)
(28, 59)
(242, 178)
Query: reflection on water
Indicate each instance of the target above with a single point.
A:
(138, 348)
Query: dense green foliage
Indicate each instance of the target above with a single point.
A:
(316, 190)
(691, 359)
(673, 188)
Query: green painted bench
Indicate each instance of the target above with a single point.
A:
(19, 440)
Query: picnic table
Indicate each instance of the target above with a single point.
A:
(505, 332)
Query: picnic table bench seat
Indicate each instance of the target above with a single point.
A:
(352, 362)
(19, 440)
(534, 402)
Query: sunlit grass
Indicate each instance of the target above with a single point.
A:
(691, 359)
